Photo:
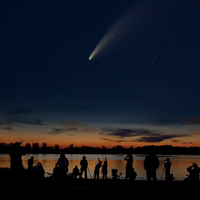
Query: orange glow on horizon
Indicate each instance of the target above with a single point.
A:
(93, 142)
(87, 139)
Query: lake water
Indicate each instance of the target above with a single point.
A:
(178, 167)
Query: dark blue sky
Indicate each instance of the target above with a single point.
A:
(143, 89)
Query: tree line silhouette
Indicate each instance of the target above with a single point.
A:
(45, 149)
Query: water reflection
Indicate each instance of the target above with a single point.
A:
(178, 167)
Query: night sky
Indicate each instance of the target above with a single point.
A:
(142, 89)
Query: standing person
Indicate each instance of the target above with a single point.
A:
(96, 171)
(30, 165)
(63, 164)
(56, 176)
(16, 157)
(97, 168)
(129, 165)
(105, 169)
(167, 167)
(84, 164)
(151, 163)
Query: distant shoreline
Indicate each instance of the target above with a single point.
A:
(162, 150)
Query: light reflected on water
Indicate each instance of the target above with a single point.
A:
(178, 167)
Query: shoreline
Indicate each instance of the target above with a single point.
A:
(8, 174)
(45, 187)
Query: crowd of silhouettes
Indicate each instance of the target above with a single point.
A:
(151, 164)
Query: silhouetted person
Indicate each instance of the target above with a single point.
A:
(129, 165)
(84, 164)
(96, 171)
(56, 171)
(56, 176)
(194, 171)
(16, 157)
(97, 168)
(39, 171)
(63, 164)
(30, 165)
(151, 163)
(104, 170)
(114, 174)
(75, 172)
(167, 167)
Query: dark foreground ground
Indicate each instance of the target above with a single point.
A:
(26, 187)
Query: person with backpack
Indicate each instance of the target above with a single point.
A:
(151, 163)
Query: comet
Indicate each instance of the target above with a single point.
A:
(127, 26)
(106, 40)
